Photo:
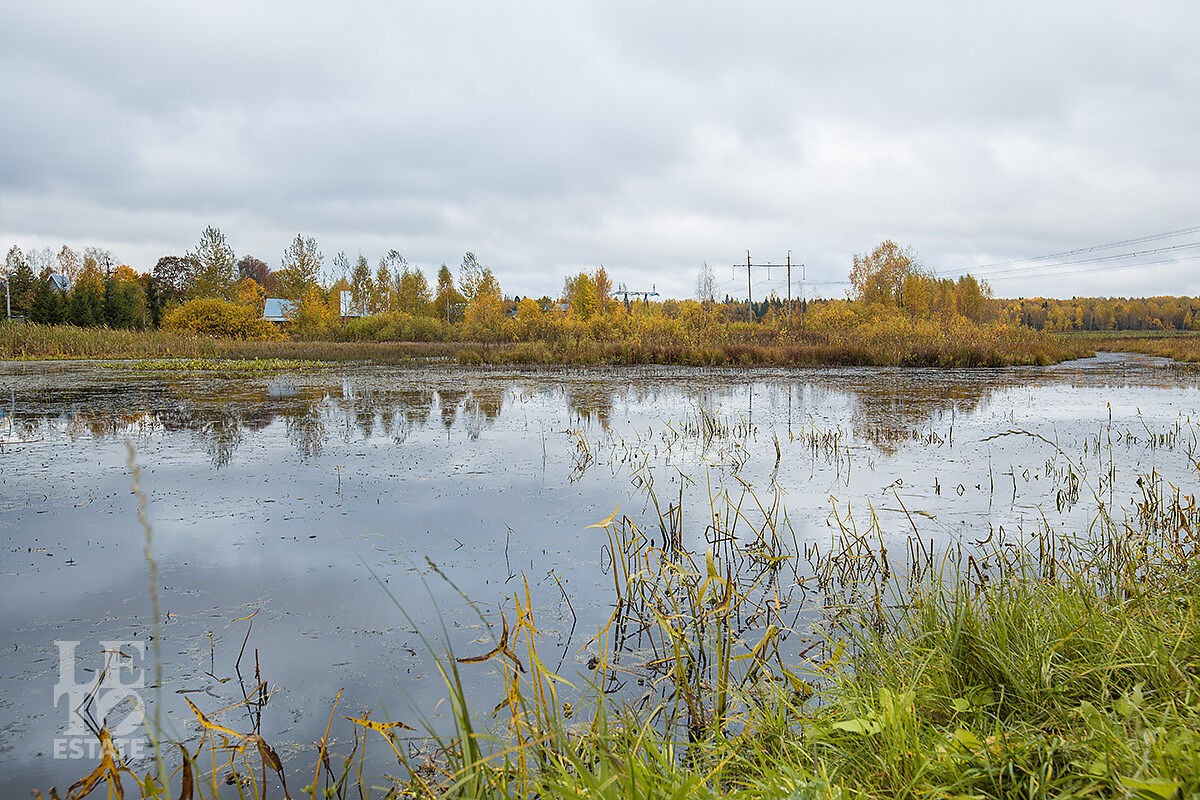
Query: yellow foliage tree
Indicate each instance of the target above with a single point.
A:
(878, 277)
(311, 317)
(251, 294)
(484, 319)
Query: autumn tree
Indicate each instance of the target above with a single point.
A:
(972, 298)
(341, 265)
(69, 263)
(531, 320)
(257, 270)
(580, 293)
(251, 294)
(101, 258)
(169, 282)
(301, 269)
(878, 277)
(383, 289)
(448, 299)
(412, 292)
(604, 289)
(484, 317)
(215, 266)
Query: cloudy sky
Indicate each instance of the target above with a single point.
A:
(551, 136)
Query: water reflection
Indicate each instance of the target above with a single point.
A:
(483, 472)
(886, 407)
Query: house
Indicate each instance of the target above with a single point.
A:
(276, 309)
(60, 282)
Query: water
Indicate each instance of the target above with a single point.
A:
(319, 502)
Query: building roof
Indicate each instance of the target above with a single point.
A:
(60, 282)
(276, 309)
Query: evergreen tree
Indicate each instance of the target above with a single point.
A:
(22, 289)
(154, 303)
(124, 303)
(20, 282)
(48, 306)
(85, 306)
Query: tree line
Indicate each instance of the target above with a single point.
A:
(210, 290)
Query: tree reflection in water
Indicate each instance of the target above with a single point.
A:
(886, 407)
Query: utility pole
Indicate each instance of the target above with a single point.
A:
(749, 293)
(749, 265)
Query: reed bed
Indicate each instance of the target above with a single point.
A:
(19, 341)
(1181, 346)
(891, 342)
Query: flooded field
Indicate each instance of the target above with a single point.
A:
(316, 530)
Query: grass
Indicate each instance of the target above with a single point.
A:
(1179, 345)
(20, 341)
(888, 343)
(238, 366)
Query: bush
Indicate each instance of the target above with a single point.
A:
(396, 326)
(215, 317)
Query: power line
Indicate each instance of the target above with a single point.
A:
(1103, 268)
(768, 267)
(1077, 251)
(1035, 269)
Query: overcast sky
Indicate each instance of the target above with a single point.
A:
(650, 137)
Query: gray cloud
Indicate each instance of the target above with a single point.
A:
(650, 137)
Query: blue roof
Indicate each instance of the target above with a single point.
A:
(276, 309)
(60, 282)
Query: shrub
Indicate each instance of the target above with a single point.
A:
(215, 317)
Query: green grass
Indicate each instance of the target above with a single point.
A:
(1084, 685)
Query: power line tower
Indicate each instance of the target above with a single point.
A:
(625, 294)
(750, 265)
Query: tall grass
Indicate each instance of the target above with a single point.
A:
(1055, 667)
(895, 341)
(1179, 345)
(27, 341)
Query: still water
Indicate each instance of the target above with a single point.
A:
(319, 503)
